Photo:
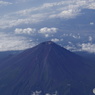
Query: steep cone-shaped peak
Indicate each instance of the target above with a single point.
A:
(48, 43)
(49, 47)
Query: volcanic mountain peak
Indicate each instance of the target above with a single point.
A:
(53, 48)
(46, 67)
(48, 44)
(44, 48)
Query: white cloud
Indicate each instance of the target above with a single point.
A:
(91, 23)
(91, 5)
(47, 30)
(67, 14)
(63, 9)
(55, 40)
(93, 90)
(66, 9)
(3, 3)
(25, 31)
(46, 35)
(75, 36)
(70, 47)
(11, 22)
(90, 38)
(88, 47)
(10, 42)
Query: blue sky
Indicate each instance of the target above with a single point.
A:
(25, 23)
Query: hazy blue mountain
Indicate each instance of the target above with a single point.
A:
(48, 68)
(7, 54)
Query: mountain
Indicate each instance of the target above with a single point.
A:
(46, 68)
(7, 54)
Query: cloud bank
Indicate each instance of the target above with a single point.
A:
(88, 47)
(63, 9)
(9, 42)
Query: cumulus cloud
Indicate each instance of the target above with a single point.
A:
(55, 40)
(25, 31)
(10, 42)
(3, 3)
(88, 47)
(48, 31)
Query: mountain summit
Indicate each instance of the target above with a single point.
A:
(46, 69)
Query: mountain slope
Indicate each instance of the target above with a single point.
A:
(47, 68)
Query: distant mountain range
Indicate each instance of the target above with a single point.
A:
(47, 69)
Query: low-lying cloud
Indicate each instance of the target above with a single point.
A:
(88, 47)
(9, 42)
(55, 40)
